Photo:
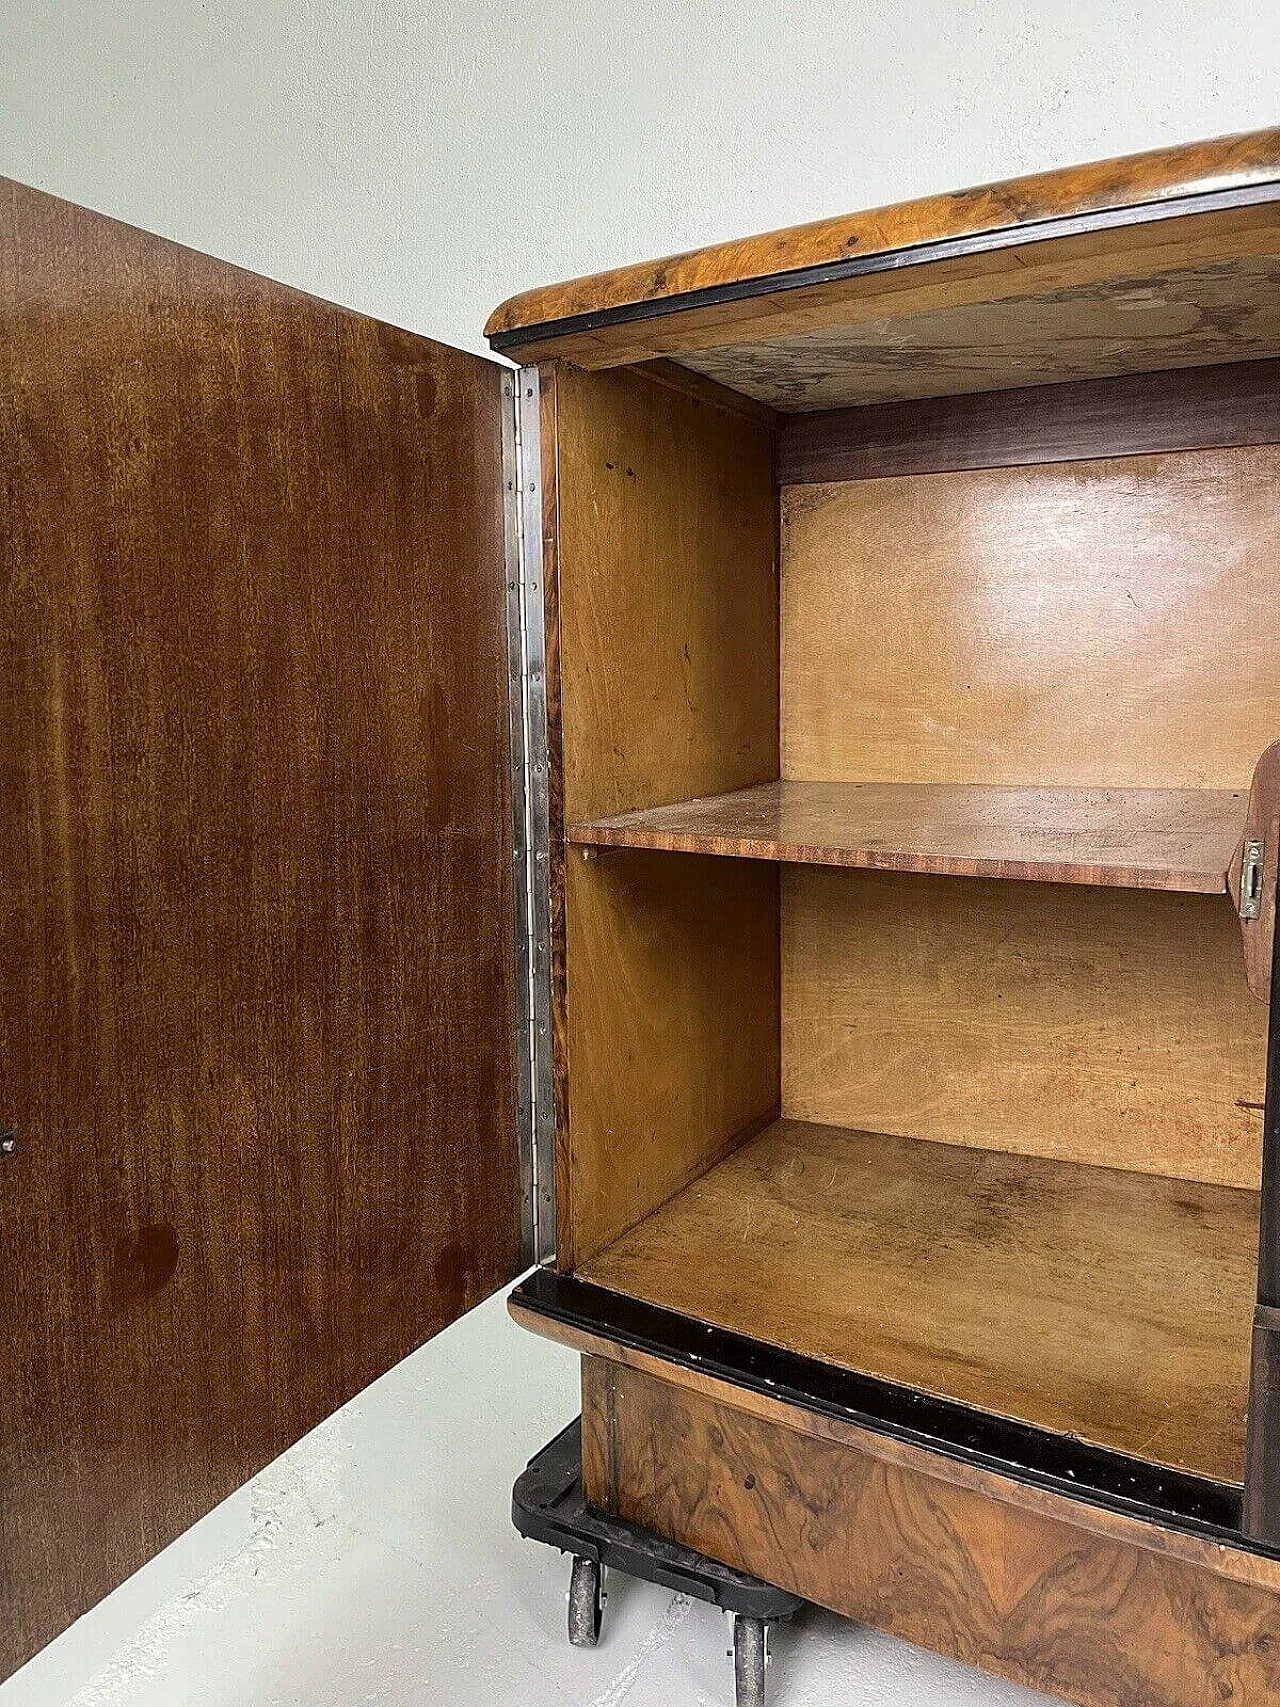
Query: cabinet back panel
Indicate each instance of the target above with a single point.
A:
(1100, 622)
(1092, 1025)
(663, 683)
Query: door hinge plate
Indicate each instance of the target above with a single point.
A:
(1251, 876)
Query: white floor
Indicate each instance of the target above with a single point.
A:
(375, 1563)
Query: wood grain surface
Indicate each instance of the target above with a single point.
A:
(660, 571)
(1162, 175)
(668, 594)
(1136, 838)
(1108, 1305)
(1191, 408)
(1162, 310)
(989, 1580)
(673, 1029)
(255, 903)
(1201, 269)
(1098, 623)
(1092, 1025)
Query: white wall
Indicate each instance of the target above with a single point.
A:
(422, 161)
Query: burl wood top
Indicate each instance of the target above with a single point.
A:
(1162, 176)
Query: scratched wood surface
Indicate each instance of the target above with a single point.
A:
(1104, 1304)
(1171, 315)
(255, 901)
(987, 221)
(982, 1572)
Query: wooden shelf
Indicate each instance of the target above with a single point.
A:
(1131, 838)
(1112, 1306)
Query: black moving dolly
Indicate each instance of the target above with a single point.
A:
(547, 1505)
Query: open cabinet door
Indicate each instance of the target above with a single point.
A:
(256, 915)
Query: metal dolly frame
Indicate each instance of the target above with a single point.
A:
(547, 1505)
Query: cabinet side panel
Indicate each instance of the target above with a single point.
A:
(993, 1583)
(668, 595)
(673, 1027)
(1112, 1027)
(666, 659)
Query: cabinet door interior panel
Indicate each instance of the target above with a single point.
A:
(255, 901)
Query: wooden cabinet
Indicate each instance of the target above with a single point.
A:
(912, 646)
(861, 642)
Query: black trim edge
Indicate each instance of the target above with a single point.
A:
(1038, 1457)
(889, 260)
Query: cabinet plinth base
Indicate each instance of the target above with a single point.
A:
(987, 1572)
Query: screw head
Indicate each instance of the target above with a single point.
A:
(8, 1142)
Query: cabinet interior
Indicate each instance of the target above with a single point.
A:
(902, 1013)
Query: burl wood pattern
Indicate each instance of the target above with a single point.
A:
(1093, 1025)
(1101, 623)
(1134, 838)
(660, 564)
(255, 918)
(1158, 175)
(980, 1572)
(1104, 1304)
(1234, 1564)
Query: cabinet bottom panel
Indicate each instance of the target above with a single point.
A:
(1096, 1620)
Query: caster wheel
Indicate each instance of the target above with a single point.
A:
(750, 1657)
(586, 1603)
